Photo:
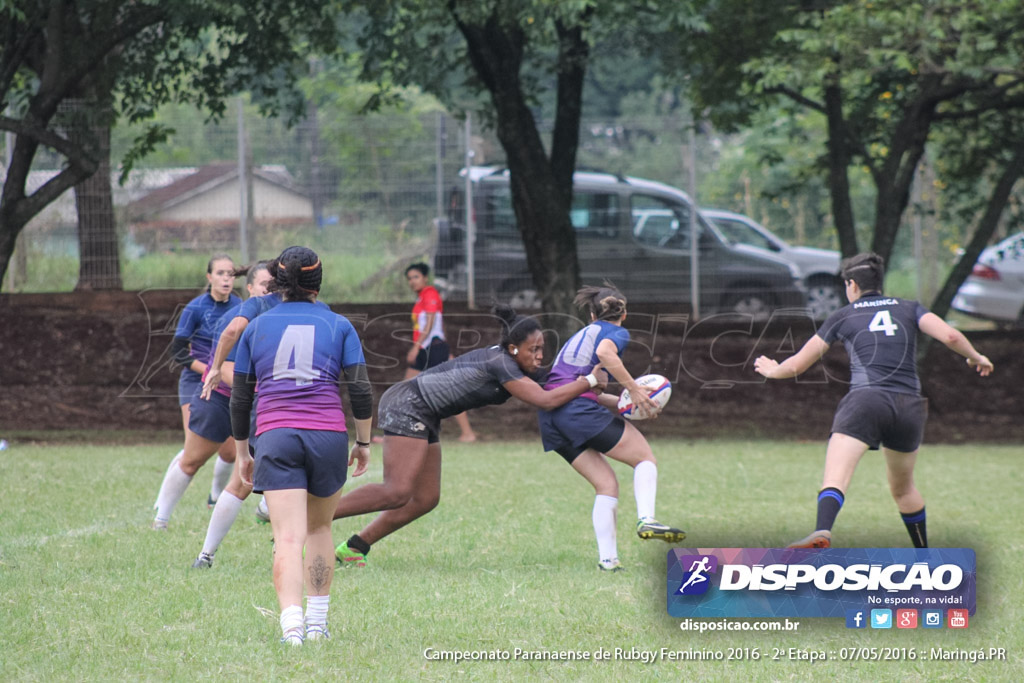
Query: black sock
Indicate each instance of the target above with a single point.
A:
(915, 523)
(357, 543)
(830, 500)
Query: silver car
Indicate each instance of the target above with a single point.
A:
(995, 288)
(819, 268)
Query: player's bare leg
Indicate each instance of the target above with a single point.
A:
(841, 458)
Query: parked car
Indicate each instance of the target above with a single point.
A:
(633, 232)
(995, 288)
(819, 268)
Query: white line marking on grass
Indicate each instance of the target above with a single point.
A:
(98, 528)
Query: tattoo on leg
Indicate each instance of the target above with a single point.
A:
(319, 574)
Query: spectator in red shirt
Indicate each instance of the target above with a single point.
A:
(429, 347)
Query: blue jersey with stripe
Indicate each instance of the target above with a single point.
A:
(880, 336)
(198, 322)
(297, 351)
(579, 355)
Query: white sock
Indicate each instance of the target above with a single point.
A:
(174, 461)
(645, 488)
(171, 491)
(605, 509)
(291, 617)
(316, 609)
(221, 477)
(224, 514)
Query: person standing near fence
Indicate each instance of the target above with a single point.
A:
(429, 346)
(193, 339)
(300, 355)
(884, 406)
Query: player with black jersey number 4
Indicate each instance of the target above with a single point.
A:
(884, 406)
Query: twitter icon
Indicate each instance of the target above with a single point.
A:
(881, 618)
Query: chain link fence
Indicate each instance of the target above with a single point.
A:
(373, 193)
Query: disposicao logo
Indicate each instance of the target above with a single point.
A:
(836, 582)
(696, 580)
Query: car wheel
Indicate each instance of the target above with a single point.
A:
(756, 305)
(824, 298)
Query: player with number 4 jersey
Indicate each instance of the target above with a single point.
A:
(884, 407)
(300, 354)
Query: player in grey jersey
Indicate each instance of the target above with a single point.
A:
(884, 406)
(410, 415)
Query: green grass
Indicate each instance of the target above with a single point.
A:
(507, 560)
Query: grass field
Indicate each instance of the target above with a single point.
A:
(506, 561)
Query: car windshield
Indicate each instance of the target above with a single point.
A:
(737, 231)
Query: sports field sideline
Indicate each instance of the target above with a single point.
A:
(506, 562)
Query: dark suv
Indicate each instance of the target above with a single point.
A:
(633, 232)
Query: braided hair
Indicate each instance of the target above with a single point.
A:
(297, 273)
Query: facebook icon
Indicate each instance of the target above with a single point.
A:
(856, 618)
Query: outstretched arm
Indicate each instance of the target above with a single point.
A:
(608, 354)
(796, 364)
(228, 338)
(954, 339)
(528, 391)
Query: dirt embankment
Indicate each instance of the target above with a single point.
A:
(100, 361)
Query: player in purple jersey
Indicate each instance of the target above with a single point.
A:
(584, 431)
(300, 354)
(193, 338)
(884, 406)
(226, 344)
(410, 415)
(209, 426)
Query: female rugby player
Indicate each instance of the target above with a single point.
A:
(884, 406)
(583, 431)
(209, 423)
(410, 415)
(190, 348)
(299, 354)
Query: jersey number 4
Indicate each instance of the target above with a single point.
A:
(294, 358)
(882, 322)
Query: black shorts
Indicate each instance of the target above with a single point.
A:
(435, 354)
(403, 412)
(878, 417)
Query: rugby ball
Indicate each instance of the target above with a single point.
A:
(660, 393)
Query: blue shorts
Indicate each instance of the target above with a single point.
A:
(314, 460)
(187, 385)
(210, 419)
(580, 424)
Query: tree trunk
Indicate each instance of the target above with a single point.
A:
(838, 168)
(986, 228)
(98, 245)
(541, 186)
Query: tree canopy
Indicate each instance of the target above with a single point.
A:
(70, 68)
